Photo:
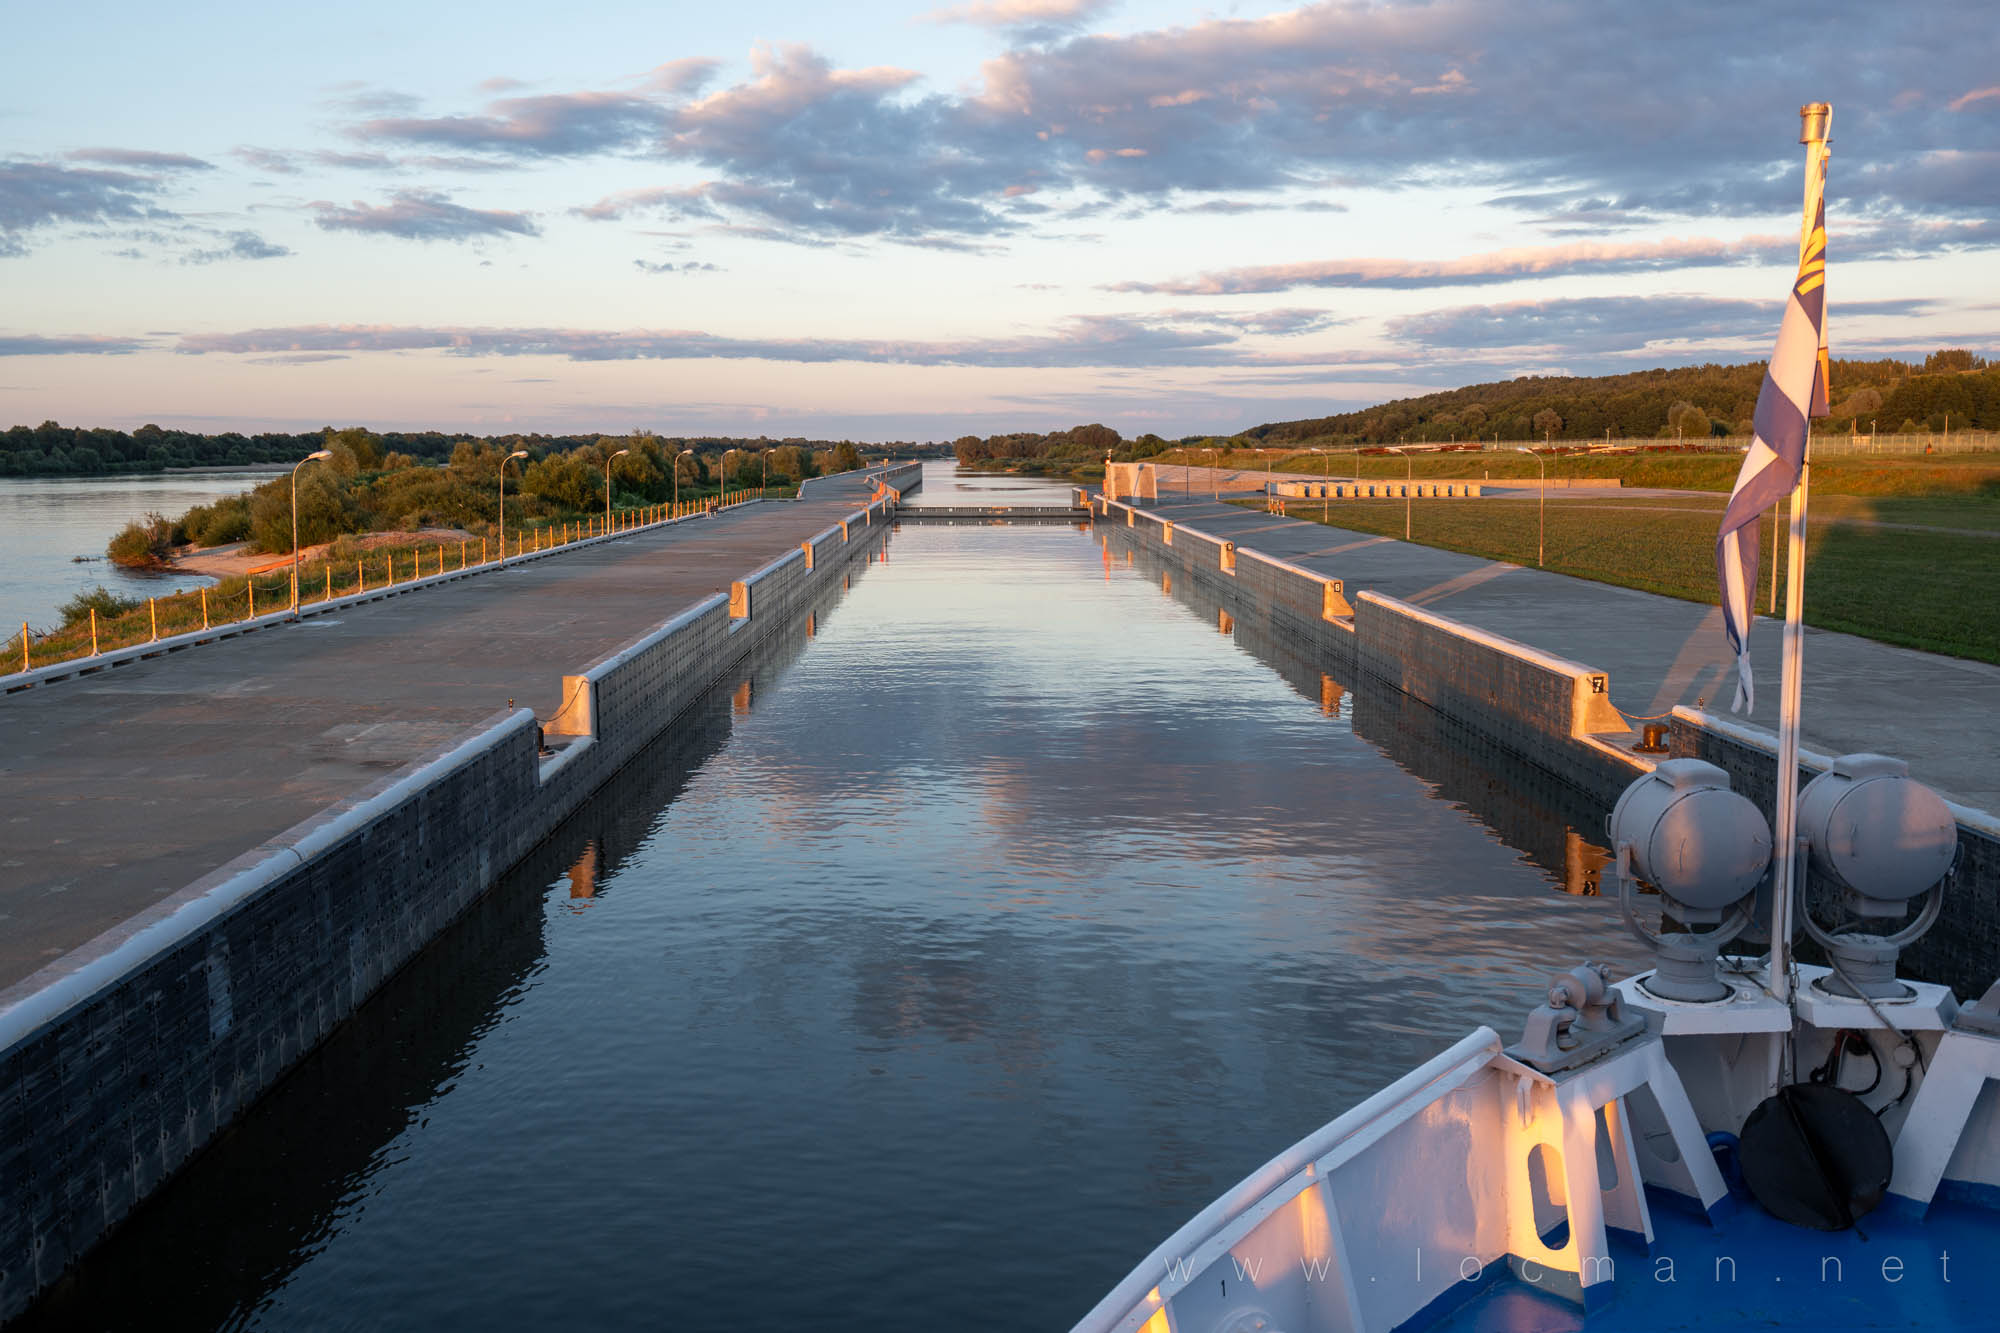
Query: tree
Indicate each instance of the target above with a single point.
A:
(1687, 421)
(325, 510)
(1548, 422)
(568, 481)
(1952, 360)
(846, 458)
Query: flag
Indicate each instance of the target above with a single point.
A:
(1794, 391)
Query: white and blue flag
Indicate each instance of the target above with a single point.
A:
(1794, 391)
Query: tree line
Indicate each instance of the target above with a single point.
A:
(1951, 386)
(55, 450)
(367, 486)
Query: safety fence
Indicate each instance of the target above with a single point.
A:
(246, 598)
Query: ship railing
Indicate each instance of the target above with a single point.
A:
(1309, 1258)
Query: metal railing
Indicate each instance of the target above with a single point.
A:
(245, 598)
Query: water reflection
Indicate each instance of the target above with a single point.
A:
(1555, 825)
(211, 1249)
(932, 979)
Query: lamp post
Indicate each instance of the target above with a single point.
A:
(311, 457)
(764, 463)
(607, 486)
(1541, 502)
(1411, 466)
(518, 453)
(677, 475)
(722, 479)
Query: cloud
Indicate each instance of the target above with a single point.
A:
(1646, 128)
(298, 358)
(35, 195)
(680, 77)
(266, 159)
(691, 266)
(1976, 95)
(1090, 340)
(140, 159)
(552, 125)
(1024, 20)
(240, 245)
(422, 215)
(1602, 326)
(1593, 257)
(29, 344)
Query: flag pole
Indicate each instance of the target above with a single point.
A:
(1815, 122)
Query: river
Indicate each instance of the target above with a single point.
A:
(928, 974)
(47, 522)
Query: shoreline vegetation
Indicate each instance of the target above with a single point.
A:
(370, 515)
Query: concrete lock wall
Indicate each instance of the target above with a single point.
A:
(121, 1060)
(1545, 709)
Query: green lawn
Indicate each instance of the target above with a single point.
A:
(1939, 591)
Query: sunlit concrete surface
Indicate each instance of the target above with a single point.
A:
(1934, 711)
(119, 788)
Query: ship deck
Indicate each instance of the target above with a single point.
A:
(1895, 1270)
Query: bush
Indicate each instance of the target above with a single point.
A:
(325, 511)
(218, 523)
(142, 543)
(100, 599)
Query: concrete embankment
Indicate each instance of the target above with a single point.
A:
(122, 1057)
(1548, 710)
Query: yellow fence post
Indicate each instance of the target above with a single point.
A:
(204, 607)
(482, 550)
(24, 645)
(327, 596)
(93, 631)
(250, 582)
(153, 613)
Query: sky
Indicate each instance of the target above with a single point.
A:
(892, 221)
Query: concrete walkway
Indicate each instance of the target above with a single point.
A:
(1938, 713)
(119, 788)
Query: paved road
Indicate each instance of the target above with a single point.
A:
(119, 788)
(1936, 712)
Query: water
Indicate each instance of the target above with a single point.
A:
(45, 522)
(928, 976)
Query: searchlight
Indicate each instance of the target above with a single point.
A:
(1705, 849)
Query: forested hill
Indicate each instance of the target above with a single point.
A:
(1688, 402)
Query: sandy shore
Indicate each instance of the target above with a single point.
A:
(235, 560)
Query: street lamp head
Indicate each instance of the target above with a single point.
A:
(518, 453)
(621, 453)
(319, 453)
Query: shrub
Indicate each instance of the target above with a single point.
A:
(100, 599)
(217, 523)
(142, 543)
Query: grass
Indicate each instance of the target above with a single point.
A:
(1970, 474)
(1934, 590)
